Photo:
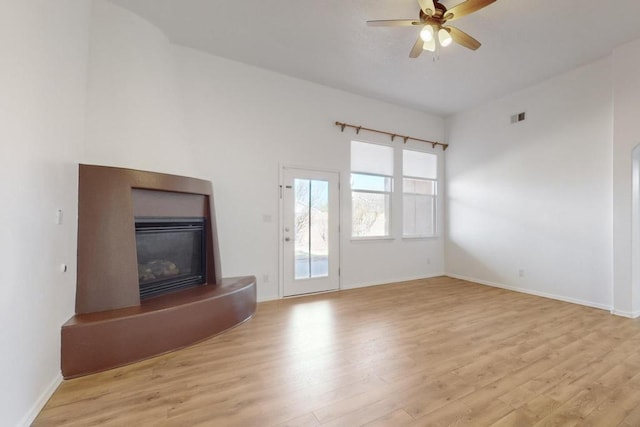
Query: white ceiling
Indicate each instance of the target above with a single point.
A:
(328, 42)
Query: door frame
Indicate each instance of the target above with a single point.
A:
(281, 260)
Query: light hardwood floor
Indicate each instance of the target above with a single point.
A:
(439, 352)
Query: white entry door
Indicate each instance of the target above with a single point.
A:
(310, 231)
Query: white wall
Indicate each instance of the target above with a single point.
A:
(245, 122)
(238, 123)
(536, 195)
(134, 118)
(44, 47)
(626, 66)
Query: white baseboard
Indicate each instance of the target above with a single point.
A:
(269, 298)
(42, 400)
(533, 292)
(386, 282)
(629, 314)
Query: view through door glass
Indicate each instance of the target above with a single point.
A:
(311, 224)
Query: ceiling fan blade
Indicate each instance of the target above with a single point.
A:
(465, 8)
(417, 48)
(463, 38)
(393, 23)
(427, 7)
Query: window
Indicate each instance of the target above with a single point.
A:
(371, 187)
(419, 192)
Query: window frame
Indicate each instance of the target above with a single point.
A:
(390, 194)
(388, 212)
(397, 195)
(434, 208)
(433, 197)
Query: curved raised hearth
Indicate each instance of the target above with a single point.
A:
(113, 326)
(114, 338)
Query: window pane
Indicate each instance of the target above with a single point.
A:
(369, 214)
(311, 228)
(319, 234)
(302, 229)
(419, 164)
(419, 186)
(418, 216)
(371, 158)
(370, 182)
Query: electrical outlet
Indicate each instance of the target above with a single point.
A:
(265, 278)
(429, 261)
(521, 273)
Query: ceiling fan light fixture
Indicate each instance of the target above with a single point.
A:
(433, 34)
(430, 45)
(444, 37)
(426, 34)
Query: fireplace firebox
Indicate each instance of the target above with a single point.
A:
(171, 254)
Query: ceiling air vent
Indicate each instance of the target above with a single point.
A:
(517, 118)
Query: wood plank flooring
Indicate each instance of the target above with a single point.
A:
(433, 352)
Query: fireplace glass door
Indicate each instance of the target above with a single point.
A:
(171, 254)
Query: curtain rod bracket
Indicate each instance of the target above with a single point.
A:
(358, 130)
(406, 138)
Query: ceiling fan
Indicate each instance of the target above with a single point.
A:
(434, 33)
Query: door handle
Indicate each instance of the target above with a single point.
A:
(286, 239)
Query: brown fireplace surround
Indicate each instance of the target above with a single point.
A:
(112, 327)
